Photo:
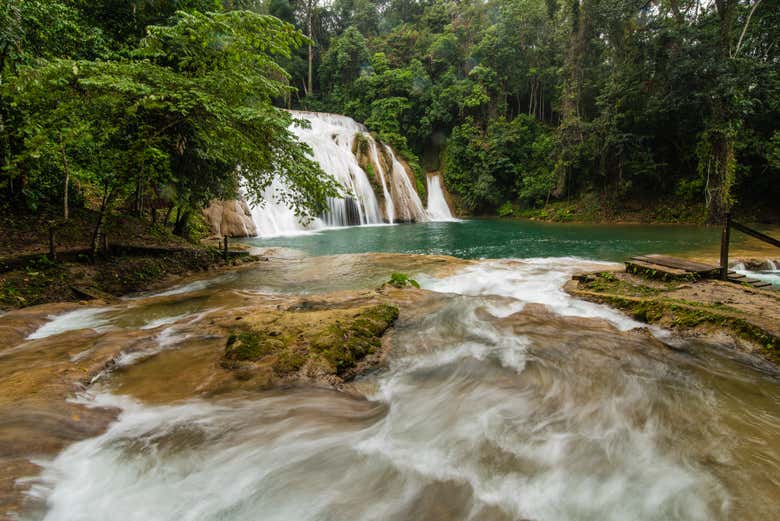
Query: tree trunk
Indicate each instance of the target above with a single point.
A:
(65, 208)
(722, 168)
(310, 28)
(98, 231)
(180, 227)
(721, 134)
(571, 131)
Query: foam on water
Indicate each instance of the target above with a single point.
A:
(771, 275)
(72, 321)
(526, 281)
(471, 420)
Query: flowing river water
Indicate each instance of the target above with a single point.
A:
(503, 398)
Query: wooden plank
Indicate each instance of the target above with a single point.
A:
(674, 262)
(648, 266)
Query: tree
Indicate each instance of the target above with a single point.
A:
(182, 111)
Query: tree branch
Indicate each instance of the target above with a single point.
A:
(744, 29)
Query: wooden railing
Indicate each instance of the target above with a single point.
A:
(726, 236)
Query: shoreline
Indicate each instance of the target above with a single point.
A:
(704, 308)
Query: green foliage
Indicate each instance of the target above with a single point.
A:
(526, 101)
(402, 280)
(507, 161)
(619, 100)
(505, 210)
(344, 61)
(191, 103)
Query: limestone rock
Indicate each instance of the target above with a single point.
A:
(230, 217)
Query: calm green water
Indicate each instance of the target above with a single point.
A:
(488, 238)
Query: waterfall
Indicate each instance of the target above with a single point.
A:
(275, 218)
(389, 204)
(410, 208)
(438, 210)
(332, 138)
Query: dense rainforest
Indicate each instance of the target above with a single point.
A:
(524, 101)
(148, 105)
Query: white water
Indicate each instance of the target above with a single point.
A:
(410, 207)
(389, 203)
(275, 218)
(472, 420)
(331, 138)
(771, 275)
(438, 210)
(527, 281)
(72, 321)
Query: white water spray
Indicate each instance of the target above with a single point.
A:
(438, 210)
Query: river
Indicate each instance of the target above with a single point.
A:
(504, 398)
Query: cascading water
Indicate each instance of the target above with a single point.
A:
(275, 218)
(506, 399)
(389, 204)
(438, 210)
(332, 140)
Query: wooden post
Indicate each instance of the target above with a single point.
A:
(225, 251)
(724, 247)
(52, 244)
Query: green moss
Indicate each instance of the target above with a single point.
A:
(606, 282)
(402, 280)
(682, 315)
(341, 344)
(288, 362)
(344, 344)
(252, 345)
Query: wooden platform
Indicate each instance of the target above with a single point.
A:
(666, 267)
(679, 264)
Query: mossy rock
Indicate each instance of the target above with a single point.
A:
(252, 345)
(289, 362)
(344, 343)
(336, 339)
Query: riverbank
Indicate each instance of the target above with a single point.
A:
(136, 256)
(594, 209)
(710, 308)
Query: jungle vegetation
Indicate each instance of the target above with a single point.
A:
(122, 104)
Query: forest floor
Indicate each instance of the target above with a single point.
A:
(693, 308)
(141, 256)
